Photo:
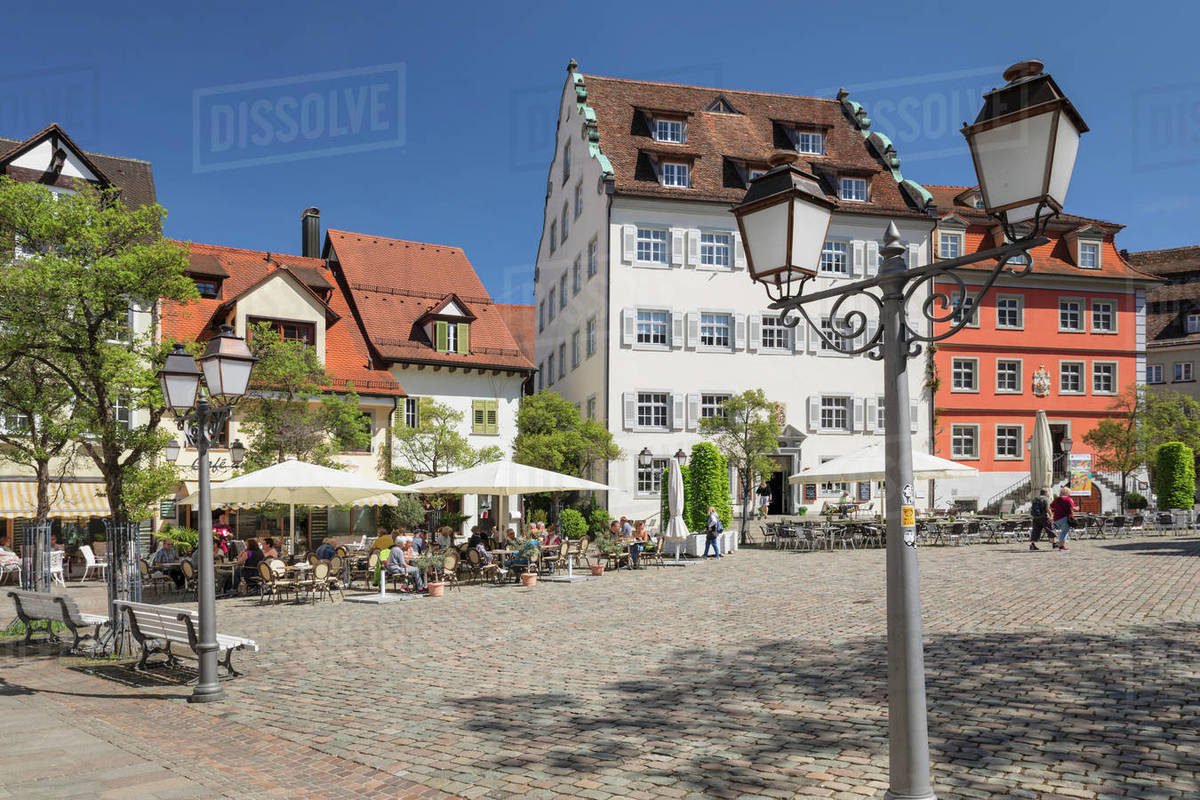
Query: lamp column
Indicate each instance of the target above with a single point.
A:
(208, 687)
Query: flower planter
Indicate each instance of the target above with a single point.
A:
(437, 589)
(597, 569)
(528, 578)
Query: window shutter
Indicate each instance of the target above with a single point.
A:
(914, 415)
(858, 249)
(739, 331)
(492, 423)
(814, 412)
(858, 414)
(914, 254)
(439, 336)
(814, 337)
(677, 409)
(677, 244)
(871, 412)
(676, 330)
(739, 252)
(693, 411)
(755, 332)
(798, 336)
(872, 258)
(628, 243)
(628, 326)
(693, 330)
(629, 401)
(477, 416)
(693, 248)
(464, 338)
(872, 327)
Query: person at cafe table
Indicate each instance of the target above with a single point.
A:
(397, 564)
(165, 555)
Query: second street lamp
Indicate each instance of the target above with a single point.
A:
(1023, 145)
(227, 364)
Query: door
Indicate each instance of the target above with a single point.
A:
(1058, 432)
(778, 484)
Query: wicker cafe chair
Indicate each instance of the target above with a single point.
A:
(449, 570)
(154, 580)
(551, 560)
(341, 551)
(270, 584)
(653, 552)
(337, 567)
(320, 581)
(580, 551)
(189, 576)
(480, 570)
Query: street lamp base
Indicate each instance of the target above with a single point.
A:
(890, 795)
(207, 694)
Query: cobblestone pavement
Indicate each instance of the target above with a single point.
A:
(1051, 675)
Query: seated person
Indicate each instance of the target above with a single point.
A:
(268, 548)
(397, 564)
(9, 560)
(845, 503)
(483, 553)
(163, 555)
(383, 540)
(327, 550)
(247, 568)
(551, 538)
(640, 539)
(418, 542)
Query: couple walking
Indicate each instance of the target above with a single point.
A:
(1061, 510)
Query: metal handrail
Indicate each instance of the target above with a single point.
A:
(993, 504)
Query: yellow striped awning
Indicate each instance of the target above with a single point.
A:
(18, 500)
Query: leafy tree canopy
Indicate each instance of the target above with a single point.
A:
(551, 435)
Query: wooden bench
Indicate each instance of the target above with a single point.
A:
(51, 608)
(156, 628)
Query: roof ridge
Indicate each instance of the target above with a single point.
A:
(274, 255)
(712, 88)
(394, 239)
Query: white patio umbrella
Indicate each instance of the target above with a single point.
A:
(867, 464)
(1041, 455)
(677, 530)
(296, 483)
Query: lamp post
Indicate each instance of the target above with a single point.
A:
(226, 365)
(681, 457)
(1023, 145)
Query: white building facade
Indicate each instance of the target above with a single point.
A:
(647, 318)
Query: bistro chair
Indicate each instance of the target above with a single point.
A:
(580, 551)
(189, 576)
(449, 570)
(153, 580)
(653, 554)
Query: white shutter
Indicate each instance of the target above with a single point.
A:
(628, 326)
(858, 413)
(872, 258)
(871, 413)
(872, 327)
(914, 415)
(858, 250)
(678, 401)
(693, 411)
(814, 412)
(814, 337)
(628, 243)
(693, 248)
(798, 333)
(630, 403)
(739, 331)
(676, 330)
(914, 256)
(739, 252)
(755, 331)
(693, 330)
(677, 245)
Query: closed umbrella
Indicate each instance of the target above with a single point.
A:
(1041, 455)
(677, 530)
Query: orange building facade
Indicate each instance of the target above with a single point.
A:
(1067, 338)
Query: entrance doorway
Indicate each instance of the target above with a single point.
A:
(778, 483)
(1058, 432)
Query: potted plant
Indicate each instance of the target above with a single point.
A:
(531, 553)
(428, 563)
(609, 547)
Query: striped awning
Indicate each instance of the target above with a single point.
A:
(18, 500)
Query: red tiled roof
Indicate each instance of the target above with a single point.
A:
(1167, 262)
(392, 283)
(347, 357)
(520, 321)
(1169, 305)
(714, 138)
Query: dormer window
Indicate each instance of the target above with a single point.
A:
(810, 143)
(853, 189)
(451, 337)
(676, 174)
(303, 332)
(754, 173)
(668, 130)
(1089, 255)
(977, 200)
(1193, 323)
(208, 287)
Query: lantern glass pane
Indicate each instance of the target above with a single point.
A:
(235, 376)
(1066, 146)
(213, 376)
(810, 225)
(1011, 159)
(179, 390)
(766, 236)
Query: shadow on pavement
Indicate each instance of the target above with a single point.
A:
(1159, 547)
(766, 719)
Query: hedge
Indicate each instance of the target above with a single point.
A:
(572, 524)
(708, 486)
(1174, 476)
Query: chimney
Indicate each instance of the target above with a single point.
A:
(310, 233)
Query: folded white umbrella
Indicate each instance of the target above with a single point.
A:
(503, 478)
(677, 529)
(1041, 455)
(868, 464)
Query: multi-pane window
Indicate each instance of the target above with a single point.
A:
(1070, 377)
(964, 441)
(541, 375)
(833, 259)
(411, 415)
(649, 479)
(807, 142)
(1008, 376)
(14, 422)
(1193, 323)
(577, 275)
(552, 305)
(1104, 316)
(966, 309)
(566, 224)
(451, 339)
(950, 245)
(550, 370)
(715, 249)
(832, 340)
(578, 199)
(835, 413)
(591, 407)
(1183, 371)
(1154, 373)
(553, 235)
(562, 291)
(122, 412)
(1104, 378)
(714, 330)
(775, 335)
(676, 174)
(1009, 312)
(652, 409)
(1070, 315)
(303, 332)
(854, 189)
(566, 166)
(1089, 255)
(964, 374)
(653, 327)
(591, 337)
(1008, 441)
(562, 361)
(124, 330)
(575, 358)
(593, 257)
(880, 414)
(710, 405)
(668, 130)
(541, 316)
(652, 245)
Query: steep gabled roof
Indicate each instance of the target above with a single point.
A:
(286, 273)
(394, 283)
(520, 320)
(1171, 261)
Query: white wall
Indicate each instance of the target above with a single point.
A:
(39, 157)
(282, 298)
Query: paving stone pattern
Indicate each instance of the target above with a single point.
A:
(1051, 675)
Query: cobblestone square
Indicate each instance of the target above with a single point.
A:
(1051, 675)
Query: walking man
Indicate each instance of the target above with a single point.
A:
(1062, 509)
(1040, 512)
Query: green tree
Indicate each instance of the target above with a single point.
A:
(1175, 476)
(709, 486)
(289, 413)
(1116, 441)
(1168, 416)
(551, 435)
(83, 267)
(745, 431)
(436, 446)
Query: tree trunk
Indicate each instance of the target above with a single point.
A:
(747, 488)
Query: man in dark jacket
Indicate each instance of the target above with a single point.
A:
(1040, 512)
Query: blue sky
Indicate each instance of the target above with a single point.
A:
(459, 100)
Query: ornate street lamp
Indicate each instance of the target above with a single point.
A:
(237, 452)
(227, 364)
(1023, 145)
(645, 458)
(681, 457)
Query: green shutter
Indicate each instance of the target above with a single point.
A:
(464, 333)
(439, 336)
(478, 416)
(492, 423)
